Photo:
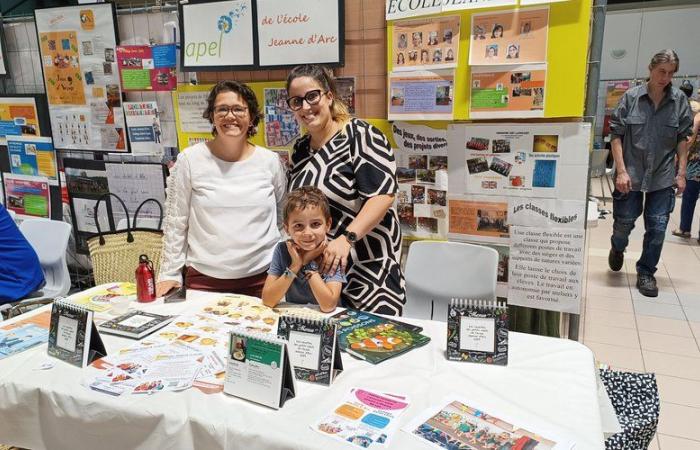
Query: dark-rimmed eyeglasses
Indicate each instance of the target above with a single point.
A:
(223, 110)
(311, 97)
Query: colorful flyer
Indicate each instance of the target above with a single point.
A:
(365, 419)
(147, 68)
(77, 51)
(426, 44)
(281, 127)
(509, 37)
(614, 91)
(459, 424)
(143, 125)
(514, 93)
(33, 156)
(28, 196)
(18, 117)
(421, 95)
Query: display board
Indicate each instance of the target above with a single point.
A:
(77, 48)
(217, 35)
(261, 34)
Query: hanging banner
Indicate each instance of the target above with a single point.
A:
(281, 128)
(147, 68)
(33, 156)
(508, 93)
(217, 35)
(426, 44)
(421, 171)
(77, 46)
(509, 37)
(18, 117)
(27, 196)
(421, 95)
(400, 9)
(143, 124)
(292, 32)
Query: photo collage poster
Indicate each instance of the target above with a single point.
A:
(421, 161)
(508, 59)
(147, 67)
(281, 127)
(521, 189)
(424, 57)
(77, 47)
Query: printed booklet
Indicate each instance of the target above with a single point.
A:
(135, 324)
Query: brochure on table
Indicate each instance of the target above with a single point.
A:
(313, 347)
(462, 423)
(421, 171)
(28, 196)
(365, 418)
(426, 44)
(98, 298)
(77, 47)
(258, 369)
(135, 324)
(73, 337)
(24, 334)
(33, 156)
(18, 117)
(477, 331)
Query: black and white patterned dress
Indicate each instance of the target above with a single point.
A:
(353, 166)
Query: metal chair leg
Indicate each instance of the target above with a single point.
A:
(602, 190)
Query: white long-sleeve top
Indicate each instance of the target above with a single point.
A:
(222, 218)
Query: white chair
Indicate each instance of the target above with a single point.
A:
(599, 170)
(49, 238)
(439, 271)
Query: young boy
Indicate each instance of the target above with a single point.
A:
(295, 263)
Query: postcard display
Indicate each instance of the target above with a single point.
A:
(77, 46)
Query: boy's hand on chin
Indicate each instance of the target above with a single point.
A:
(311, 255)
(295, 254)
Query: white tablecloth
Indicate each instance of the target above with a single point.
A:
(550, 381)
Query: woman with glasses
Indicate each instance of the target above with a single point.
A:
(353, 164)
(223, 201)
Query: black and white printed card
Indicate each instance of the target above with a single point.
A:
(477, 331)
(73, 336)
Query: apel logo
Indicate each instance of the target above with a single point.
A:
(225, 24)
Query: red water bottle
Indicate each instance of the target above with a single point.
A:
(145, 280)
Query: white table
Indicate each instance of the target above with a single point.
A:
(550, 381)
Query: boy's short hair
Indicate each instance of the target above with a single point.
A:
(304, 197)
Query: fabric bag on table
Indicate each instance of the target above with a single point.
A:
(635, 398)
(115, 254)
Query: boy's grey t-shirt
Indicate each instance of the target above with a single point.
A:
(299, 291)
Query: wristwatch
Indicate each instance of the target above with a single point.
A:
(350, 236)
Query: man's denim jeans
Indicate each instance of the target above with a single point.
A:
(657, 207)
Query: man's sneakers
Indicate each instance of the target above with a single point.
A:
(615, 260)
(646, 284)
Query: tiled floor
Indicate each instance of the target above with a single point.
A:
(662, 335)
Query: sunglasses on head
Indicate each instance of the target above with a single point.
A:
(311, 97)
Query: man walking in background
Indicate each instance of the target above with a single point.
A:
(649, 128)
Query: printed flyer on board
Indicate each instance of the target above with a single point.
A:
(507, 93)
(77, 46)
(28, 196)
(281, 127)
(422, 175)
(143, 124)
(426, 44)
(147, 68)
(483, 218)
(33, 156)
(18, 117)
(421, 95)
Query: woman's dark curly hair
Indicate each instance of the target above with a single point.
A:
(246, 94)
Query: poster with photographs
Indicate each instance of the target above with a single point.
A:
(481, 218)
(509, 37)
(513, 93)
(346, 91)
(426, 44)
(77, 47)
(147, 68)
(281, 127)
(421, 171)
(532, 160)
(421, 95)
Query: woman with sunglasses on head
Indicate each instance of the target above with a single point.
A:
(223, 202)
(353, 164)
